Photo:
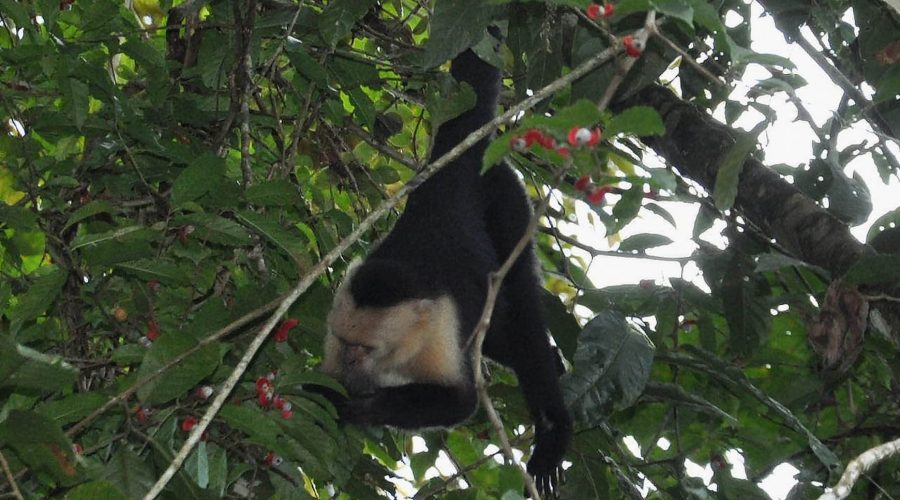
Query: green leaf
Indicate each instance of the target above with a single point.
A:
(164, 271)
(275, 193)
(197, 465)
(890, 220)
(40, 295)
(94, 490)
(774, 261)
(25, 368)
(641, 121)
(339, 17)
(72, 408)
(18, 218)
(305, 64)
(729, 169)
(641, 242)
(40, 444)
(215, 229)
(582, 113)
(292, 244)
(662, 212)
(249, 420)
(178, 380)
(496, 151)
(129, 473)
(874, 270)
(75, 100)
(455, 26)
(89, 210)
(449, 101)
(95, 239)
(679, 9)
(197, 179)
(611, 368)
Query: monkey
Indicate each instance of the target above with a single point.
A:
(399, 329)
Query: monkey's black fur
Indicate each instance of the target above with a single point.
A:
(458, 227)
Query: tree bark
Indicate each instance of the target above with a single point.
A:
(694, 143)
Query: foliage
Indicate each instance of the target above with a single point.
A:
(168, 168)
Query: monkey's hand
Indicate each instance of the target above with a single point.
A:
(551, 439)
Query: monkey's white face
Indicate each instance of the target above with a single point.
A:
(367, 348)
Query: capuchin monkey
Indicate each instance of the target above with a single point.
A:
(399, 329)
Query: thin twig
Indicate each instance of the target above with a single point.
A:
(595, 252)
(9, 477)
(344, 244)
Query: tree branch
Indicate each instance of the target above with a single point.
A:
(858, 466)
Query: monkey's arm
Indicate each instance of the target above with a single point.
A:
(412, 406)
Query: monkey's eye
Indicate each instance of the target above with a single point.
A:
(366, 349)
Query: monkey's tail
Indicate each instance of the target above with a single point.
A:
(484, 79)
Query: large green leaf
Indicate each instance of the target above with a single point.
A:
(178, 380)
(26, 368)
(40, 295)
(41, 444)
(612, 366)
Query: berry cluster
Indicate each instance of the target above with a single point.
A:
(578, 137)
(593, 10)
(265, 395)
(593, 194)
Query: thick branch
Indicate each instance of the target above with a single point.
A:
(694, 144)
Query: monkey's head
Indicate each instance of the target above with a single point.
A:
(380, 334)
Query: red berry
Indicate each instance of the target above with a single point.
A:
(593, 11)
(278, 402)
(141, 414)
(153, 285)
(596, 195)
(263, 384)
(152, 330)
(188, 423)
(264, 399)
(547, 142)
(204, 392)
(564, 152)
(583, 182)
(287, 406)
(204, 436)
(533, 136)
(77, 449)
(632, 47)
(580, 136)
(287, 414)
(282, 334)
(608, 10)
(272, 459)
